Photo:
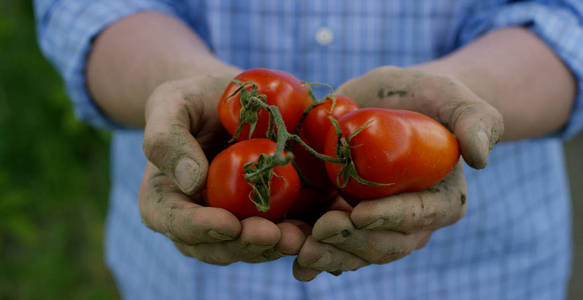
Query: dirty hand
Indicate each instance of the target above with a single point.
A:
(182, 128)
(383, 230)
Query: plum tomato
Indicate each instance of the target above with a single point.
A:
(404, 151)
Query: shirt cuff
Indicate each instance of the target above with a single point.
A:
(557, 26)
(66, 32)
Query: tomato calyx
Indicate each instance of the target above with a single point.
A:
(315, 101)
(258, 174)
(250, 106)
(343, 152)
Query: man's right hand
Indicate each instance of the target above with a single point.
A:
(182, 128)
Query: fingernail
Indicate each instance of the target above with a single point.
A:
(185, 173)
(323, 261)
(219, 236)
(483, 138)
(485, 147)
(376, 224)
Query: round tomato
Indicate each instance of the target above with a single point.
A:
(282, 90)
(226, 186)
(317, 124)
(402, 150)
(315, 198)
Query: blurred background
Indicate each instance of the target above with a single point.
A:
(54, 179)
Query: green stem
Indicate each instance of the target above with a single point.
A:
(259, 173)
(303, 179)
(343, 151)
(283, 135)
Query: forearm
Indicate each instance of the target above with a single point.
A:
(519, 75)
(135, 55)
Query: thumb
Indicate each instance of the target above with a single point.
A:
(168, 142)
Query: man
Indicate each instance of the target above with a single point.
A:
(469, 64)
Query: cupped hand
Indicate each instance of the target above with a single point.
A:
(382, 230)
(182, 129)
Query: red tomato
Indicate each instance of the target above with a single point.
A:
(282, 89)
(310, 205)
(226, 186)
(311, 202)
(317, 124)
(406, 150)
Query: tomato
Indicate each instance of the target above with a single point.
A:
(226, 186)
(317, 124)
(404, 150)
(312, 200)
(310, 204)
(282, 89)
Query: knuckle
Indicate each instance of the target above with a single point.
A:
(461, 110)
(159, 95)
(446, 80)
(426, 215)
(164, 89)
(149, 197)
(155, 144)
(170, 223)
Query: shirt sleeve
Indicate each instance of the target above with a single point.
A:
(65, 31)
(557, 23)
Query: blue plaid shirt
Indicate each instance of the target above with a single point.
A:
(514, 242)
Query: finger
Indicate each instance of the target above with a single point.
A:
(425, 236)
(292, 238)
(375, 247)
(324, 257)
(303, 273)
(166, 210)
(214, 254)
(438, 206)
(476, 124)
(290, 243)
(168, 142)
(303, 226)
(257, 242)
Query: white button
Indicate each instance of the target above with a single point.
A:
(324, 36)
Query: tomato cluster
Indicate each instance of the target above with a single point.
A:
(294, 152)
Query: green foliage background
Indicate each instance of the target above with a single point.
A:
(53, 177)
